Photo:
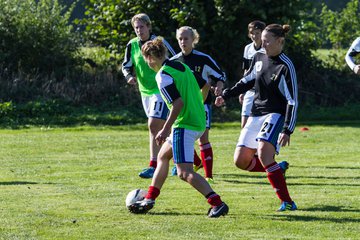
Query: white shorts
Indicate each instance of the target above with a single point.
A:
(154, 106)
(208, 112)
(247, 103)
(266, 128)
(182, 141)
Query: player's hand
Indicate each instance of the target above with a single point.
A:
(132, 81)
(161, 137)
(241, 98)
(284, 140)
(357, 69)
(219, 101)
(218, 89)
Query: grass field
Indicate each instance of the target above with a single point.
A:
(71, 183)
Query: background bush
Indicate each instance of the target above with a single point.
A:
(45, 60)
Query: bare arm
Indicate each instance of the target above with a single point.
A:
(174, 113)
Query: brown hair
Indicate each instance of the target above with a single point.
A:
(257, 25)
(278, 30)
(154, 48)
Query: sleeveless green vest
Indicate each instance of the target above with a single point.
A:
(192, 115)
(144, 74)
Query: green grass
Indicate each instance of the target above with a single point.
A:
(71, 183)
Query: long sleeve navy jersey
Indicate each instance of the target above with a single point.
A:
(203, 66)
(275, 84)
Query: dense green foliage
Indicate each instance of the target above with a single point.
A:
(43, 59)
(108, 23)
(35, 36)
(341, 27)
(71, 184)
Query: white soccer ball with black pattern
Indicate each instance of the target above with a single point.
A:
(134, 196)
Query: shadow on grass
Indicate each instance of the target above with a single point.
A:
(322, 177)
(176, 214)
(18, 183)
(253, 179)
(327, 208)
(315, 209)
(326, 167)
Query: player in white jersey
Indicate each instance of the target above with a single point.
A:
(254, 32)
(351, 53)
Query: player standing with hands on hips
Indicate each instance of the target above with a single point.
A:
(203, 66)
(184, 125)
(273, 115)
(155, 108)
(351, 53)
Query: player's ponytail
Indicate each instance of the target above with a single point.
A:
(278, 30)
(154, 48)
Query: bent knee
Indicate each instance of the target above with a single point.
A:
(240, 164)
(183, 175)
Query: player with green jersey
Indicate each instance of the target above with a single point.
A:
(184, 125)
(136, 71)
(174, 72)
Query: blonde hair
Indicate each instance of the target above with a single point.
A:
(142, 17)
(195, 35)
(155, 48)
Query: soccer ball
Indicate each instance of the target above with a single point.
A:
(134, 196)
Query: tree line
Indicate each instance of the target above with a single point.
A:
(46, 54)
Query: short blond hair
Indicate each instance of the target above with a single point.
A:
(142, 17)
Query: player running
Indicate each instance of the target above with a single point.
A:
(351, 53)
(185, 124)
(273, 115)
(203, 66)
(136, 71)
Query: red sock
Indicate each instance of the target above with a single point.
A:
(255, 165)
(153, 193)
(213, 199)
(153, 162)
(207, 159)
(197, 160)
(277, 181)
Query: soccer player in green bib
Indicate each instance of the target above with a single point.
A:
(184, 125)
(136, 71)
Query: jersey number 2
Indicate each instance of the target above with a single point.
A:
(267, 127)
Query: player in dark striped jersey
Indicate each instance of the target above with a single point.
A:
(351, 53)
(186, 123)
(136, 71)
(204, 67)
(254, 32)
(273, 115)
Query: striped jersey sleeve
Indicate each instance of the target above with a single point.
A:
(127, 65)
(210, 68)
(352, 52)
(288, 87)
(167, 87)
